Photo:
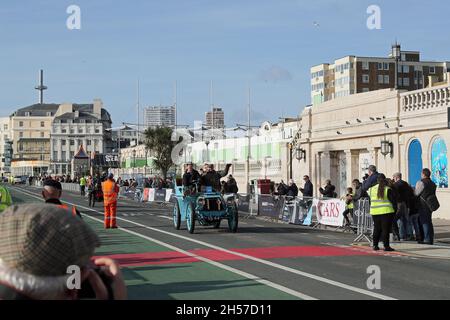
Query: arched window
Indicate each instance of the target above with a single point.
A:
(439, 163)
(415, 164)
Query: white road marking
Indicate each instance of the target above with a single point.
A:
(214, 263)
(262, 261)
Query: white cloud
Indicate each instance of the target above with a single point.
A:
(275, 74)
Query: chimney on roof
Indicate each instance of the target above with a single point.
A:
(98, 106)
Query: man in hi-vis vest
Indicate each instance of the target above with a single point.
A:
(110, 193)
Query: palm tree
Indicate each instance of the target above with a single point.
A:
(159, 142)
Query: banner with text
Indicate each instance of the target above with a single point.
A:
(330, 212)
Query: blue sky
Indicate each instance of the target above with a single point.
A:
(267, 44)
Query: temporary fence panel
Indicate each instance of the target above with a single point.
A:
(363, 220)
(301, 213)
(243, 202)
(160, 195)
(270, 206)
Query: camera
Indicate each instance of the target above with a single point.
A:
(87, 292)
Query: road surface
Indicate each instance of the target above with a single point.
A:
(263, 261)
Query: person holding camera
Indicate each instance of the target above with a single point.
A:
(28, 272)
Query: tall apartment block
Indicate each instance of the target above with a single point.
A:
(352, 74)
(215, 119)
(159, 116)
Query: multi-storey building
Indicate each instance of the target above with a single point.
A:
(215, 119)
(159, 116)
(5, 146)
(125, 136)
(352, 74)
(30, 131)
(75, 126)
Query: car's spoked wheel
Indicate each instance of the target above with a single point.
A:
(233, 220)
(176, 217)
(190, 218)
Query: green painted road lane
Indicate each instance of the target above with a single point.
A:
(185, 281)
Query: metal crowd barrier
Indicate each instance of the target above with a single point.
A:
(363, 221)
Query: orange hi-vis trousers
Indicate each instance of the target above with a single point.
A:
(110, 215)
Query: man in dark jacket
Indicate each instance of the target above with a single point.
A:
(425, 188)
(328, 192)
(231, 185)
(308, 189)
(190, 176)
(212, 177)
(372, 179)
(292, 190)
(404, 195)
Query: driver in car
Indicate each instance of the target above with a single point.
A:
(190, 176)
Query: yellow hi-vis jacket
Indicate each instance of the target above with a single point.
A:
(380, 206)
(5, 199)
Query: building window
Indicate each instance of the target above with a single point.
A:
(5, 127)
(72, 155)
(63, 142)
(380, 79)
(63, 156)
(42, 124)
(400, 81)
(365, 65)
(49, 114)
(386, 66)
(27, 114)
(432, 70)
(380, 66)
(365, 78)
(20, 134)
(42, 134)
(386, 80)
(63, 131)
(405, 69)
(88, 142)
(72, 142)
(20, 123)
(55, 155)
(406, 82)
(97, 131)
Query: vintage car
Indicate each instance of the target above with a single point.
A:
(208, 208)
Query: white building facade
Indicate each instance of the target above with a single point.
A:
(77, 125)
(5, 146)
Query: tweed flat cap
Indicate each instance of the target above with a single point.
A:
(43, 240)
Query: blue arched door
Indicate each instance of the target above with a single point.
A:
(415, 164)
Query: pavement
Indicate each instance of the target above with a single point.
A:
(263, 261)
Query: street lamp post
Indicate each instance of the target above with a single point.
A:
(397, 54)
(134, 162)
(207, 142)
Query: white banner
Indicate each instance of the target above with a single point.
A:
(168, 194)
(330, 212)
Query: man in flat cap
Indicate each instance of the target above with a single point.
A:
(40, 246)
(52, 191)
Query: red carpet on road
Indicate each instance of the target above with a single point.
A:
(173, 257)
